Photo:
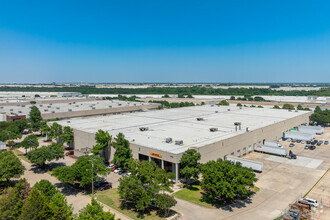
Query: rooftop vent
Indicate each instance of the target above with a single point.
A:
(213, 129)
(216, 112)
(53, 111)
(68, 121)
(228, 109)
(144, 128)
(237, 124)
(168, 140)
(200, 119)
(70, 110)
(57, 107)
(179, 142)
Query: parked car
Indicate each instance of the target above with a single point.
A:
(117, 170)
(100, 184)
(306, 147)
(298, 141)
(111, 166)
(326, 142)
(113, 169)
(105, 187)
(289, 139)
(312, 147)
(313, 202)
(291, 145)
(319, 143)
(70, 152)
(303, 142)
(293, 140)
(308, 142)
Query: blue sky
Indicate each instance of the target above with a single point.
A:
(165, 41)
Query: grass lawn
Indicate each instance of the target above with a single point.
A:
(21, 155)
(111, 198)
(194, 194)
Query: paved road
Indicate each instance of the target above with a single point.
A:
(74, 197)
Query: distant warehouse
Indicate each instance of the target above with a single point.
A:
(214, 131)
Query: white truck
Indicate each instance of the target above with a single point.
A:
(280, 151)
(254, 165)
(272, 143)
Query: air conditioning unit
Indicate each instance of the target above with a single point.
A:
(200, 119)
(168, 140)
(213, 129)
(179, 142)
(144, 128)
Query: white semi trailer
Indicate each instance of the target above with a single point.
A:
(280, 151)
(272, 143)
(254, 165)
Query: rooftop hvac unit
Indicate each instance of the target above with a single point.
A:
(144, 128)
(200, 119)
(1, 107)
(179, 142)
(212, 105)
(228, 109)
(57, 107)
(119, 104)
(110, 106)
(40, 105)
(19, 111)
(93, 107)
(168, 140)
(70, 103)
(46, 110)
(50, 103)
(11, 110)
(216, 111)
(213, 129)
(74, 102)
(53, 111)
(68, 122)
(77, 105)
(296, 111)
(49, 106)
(23, 105)
(70, 110)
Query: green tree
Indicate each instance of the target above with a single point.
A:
(11, 166)
(55, 132)
(46, 188)
(45, 129)
(276, 107)
(29, 142)
(36, 207)
(81, 171)
(288, 106)
(166, 96)
(13, 199)
(102, 138)
(223, 102)
(190, 165)
(35, 118)
(260, 106)
(190, 96)
(223, 180)
(164, 202)
(67, 135)
(40, 155)
(123, 152)
(95, 211)
(232, 97)
(321, 117)
(239, 105)
(11, 143)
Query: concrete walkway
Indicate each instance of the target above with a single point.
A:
(78, 199)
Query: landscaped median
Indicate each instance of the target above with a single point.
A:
(21, 155)
(112, 199)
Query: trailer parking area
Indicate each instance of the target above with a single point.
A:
(285, 180)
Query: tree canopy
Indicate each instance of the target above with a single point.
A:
(102, 139)
(321, 117)
(35, 118)
(46, 153)
(123, 152)
(95, 211)
(190, 164)
(81, 171)
(10, 166)
(223, 180)
(55, 131)
(67, 135)
(223, 102)
(30, 141)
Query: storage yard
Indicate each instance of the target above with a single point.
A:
(214, 131)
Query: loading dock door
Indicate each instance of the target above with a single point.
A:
(239, 153)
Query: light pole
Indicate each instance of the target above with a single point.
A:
(92, 160)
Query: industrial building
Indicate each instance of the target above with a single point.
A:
(214, 131)
(72, 108)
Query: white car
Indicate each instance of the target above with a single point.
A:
(313, 202)
(117, 170)
(111, 166)
(303, 142)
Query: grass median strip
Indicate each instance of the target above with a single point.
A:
(20, 155)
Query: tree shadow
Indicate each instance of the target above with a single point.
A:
(40, 169)
(67, 189)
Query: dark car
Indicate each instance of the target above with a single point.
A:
(308, 142)
(121, 172)
(319, 143)
(312, 147)
(298, 141)
(326, 142)
(291, 145)
(293, 140)
(2, 188)
(292, 155)
(105, 187)
(101, 183)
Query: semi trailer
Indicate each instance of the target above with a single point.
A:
(254, 165)
(280, 151)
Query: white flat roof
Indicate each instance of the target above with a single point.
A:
(48, 108)
(181, 124)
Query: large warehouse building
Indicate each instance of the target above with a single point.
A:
(214, 131)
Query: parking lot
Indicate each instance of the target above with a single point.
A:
(288, 179)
